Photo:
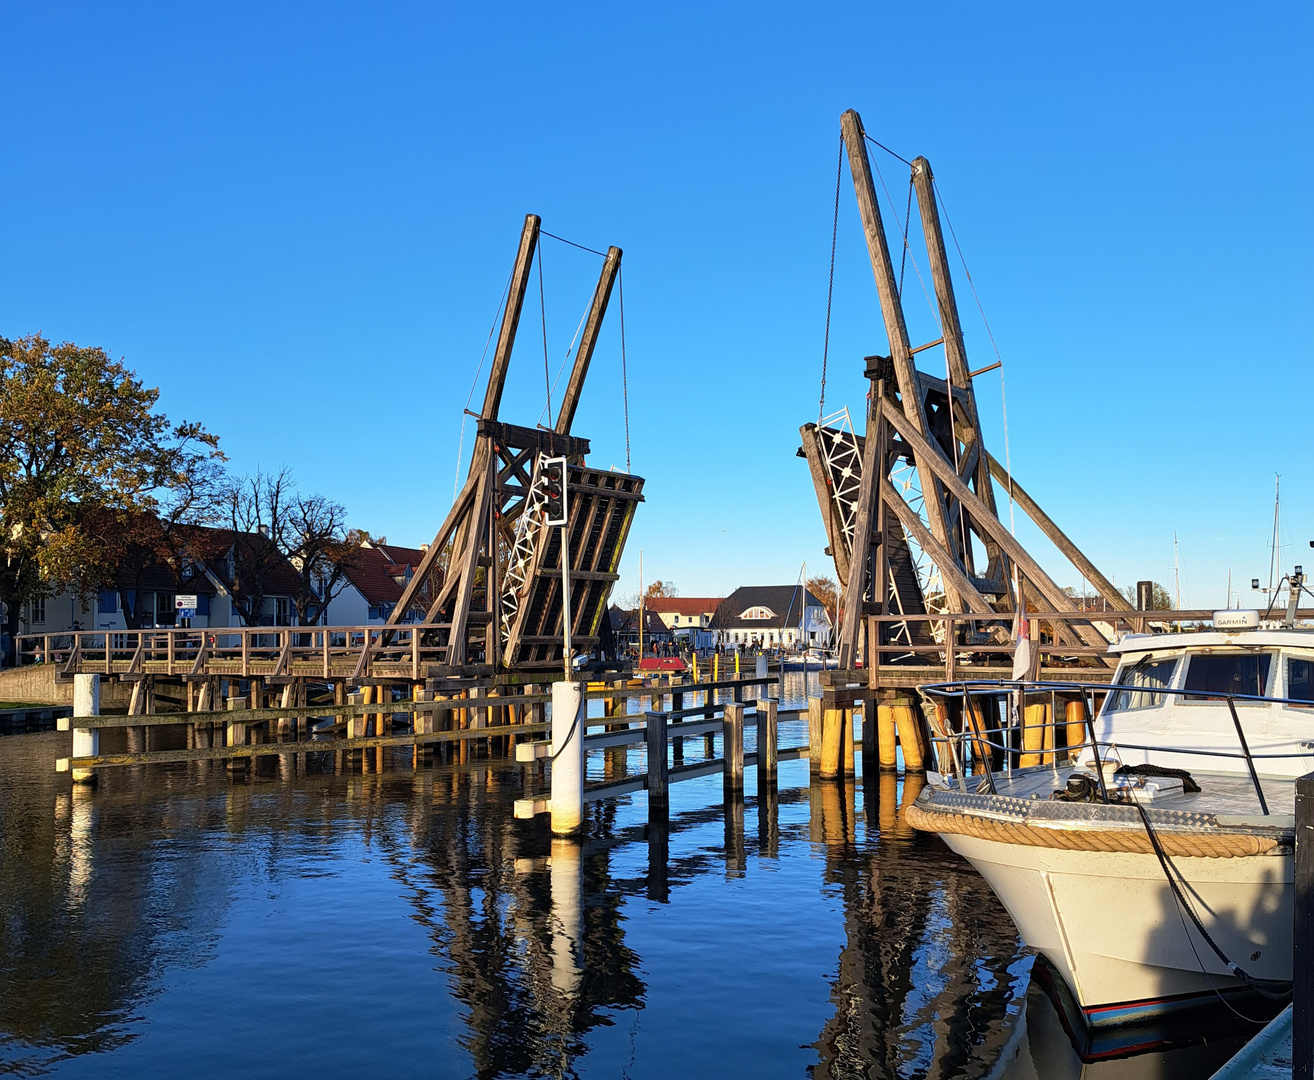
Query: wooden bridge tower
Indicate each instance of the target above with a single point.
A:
(491, 579)
(919, 422)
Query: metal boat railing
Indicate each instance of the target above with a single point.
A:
(977, 744)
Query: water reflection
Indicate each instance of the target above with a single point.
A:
(415, 925)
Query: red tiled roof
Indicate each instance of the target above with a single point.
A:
(211, 546)
(371, 571)
(402, 556)
(681, 605)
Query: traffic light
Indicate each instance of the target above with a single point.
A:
(554, 490)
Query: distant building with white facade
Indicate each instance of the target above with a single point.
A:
(687, 617)
(772, 616)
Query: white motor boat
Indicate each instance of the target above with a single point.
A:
(1154, 868)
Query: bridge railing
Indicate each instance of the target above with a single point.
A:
(318, 650)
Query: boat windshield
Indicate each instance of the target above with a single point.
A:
(1227, 673)
(1300, 680)
(1151, 674)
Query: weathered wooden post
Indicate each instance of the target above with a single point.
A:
(910, 736)
(86, 741)
(1302, 995)
(885, 737)
(658, 787)
(1075, 714)
(766, 742)
(832, 740)
(848, 759)
(236, 733)
(677, 703)
(568, 719)
(421, 724)
(732, 748)
(814, 736)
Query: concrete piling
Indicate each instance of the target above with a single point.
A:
(86, 741)
(568, 720)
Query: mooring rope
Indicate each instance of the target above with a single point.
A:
(1273, 989)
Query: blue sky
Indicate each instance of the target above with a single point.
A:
(297, 220)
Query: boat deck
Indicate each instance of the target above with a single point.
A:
(1226, 795)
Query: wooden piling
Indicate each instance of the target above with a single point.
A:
(832, 742)
(1075, 714)
(910, 735)
(814, 735)
(1302, 997)
(236, 734)
(732, 747)
(849, 760)
(766, 742)
(655, 739)
(885, 729)
(677, 703)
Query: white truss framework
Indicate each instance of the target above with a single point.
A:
(528, 530)
(843, 461)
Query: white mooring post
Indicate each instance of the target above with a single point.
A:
(86, 741)
(568, 713)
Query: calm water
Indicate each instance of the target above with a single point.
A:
(403, 922)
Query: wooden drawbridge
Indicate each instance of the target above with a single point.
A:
(917, 487)
(491, 580)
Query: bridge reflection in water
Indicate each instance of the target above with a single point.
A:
(405, 921)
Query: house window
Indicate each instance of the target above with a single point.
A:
(107, 601)
(281, 611)
(39, 610)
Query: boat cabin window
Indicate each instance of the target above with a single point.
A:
(1300, 680)
(1151, 674)
(1227, 673)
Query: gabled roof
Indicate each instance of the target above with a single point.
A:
(211, 546)
(372, 573)
(401, 556)
(625, 620)
(785, 600)
(681, 605)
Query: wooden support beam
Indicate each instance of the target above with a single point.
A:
(991, 524)
(511, 316)
(873, 472)
(948, 565)
(587, 343)
(423, 571)
(1103, 585)
(812, 435)
(892, 310)
(476, 532)
(955, 349)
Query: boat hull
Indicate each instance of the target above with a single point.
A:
(1109, 924)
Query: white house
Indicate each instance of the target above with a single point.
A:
(772, 616)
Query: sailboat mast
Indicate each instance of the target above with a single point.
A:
(1277, 533)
